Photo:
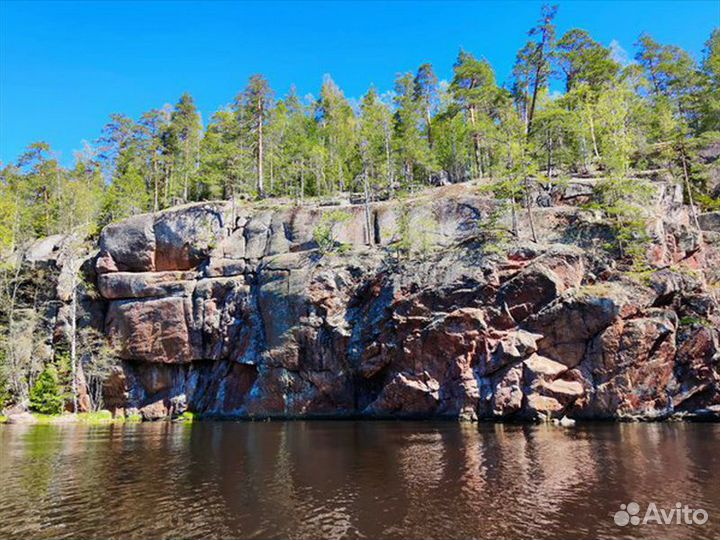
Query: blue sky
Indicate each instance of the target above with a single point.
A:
(66, 66)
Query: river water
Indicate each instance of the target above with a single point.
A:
(333, 479)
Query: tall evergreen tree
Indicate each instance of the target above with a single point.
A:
(253, 107)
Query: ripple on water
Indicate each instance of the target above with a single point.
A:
(351, 479)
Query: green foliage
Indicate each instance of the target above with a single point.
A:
(46, 396)
(624, 201)
(414, 234)
(96, 417)
(610, 119)
(4, 383)
(324, 233)
(695, 321)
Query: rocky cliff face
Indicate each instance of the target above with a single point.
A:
(231, 310)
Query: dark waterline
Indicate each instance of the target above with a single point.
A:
(352, 479)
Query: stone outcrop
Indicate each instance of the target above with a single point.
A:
(231, 310)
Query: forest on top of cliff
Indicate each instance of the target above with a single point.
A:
(657, 113)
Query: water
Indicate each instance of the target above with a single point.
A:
(352, 479)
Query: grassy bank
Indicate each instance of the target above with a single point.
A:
(95, 418)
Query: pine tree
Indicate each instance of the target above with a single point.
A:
(253, 108)
(411, 147)
(337, 130)
(533, 64)
(181, 143)
(426, 93)
(474, 90)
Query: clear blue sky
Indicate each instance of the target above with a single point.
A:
(66, 66)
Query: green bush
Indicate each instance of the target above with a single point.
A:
(324, 233)
(46, 396)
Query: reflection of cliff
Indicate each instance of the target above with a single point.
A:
(234, 312)
(352, 479)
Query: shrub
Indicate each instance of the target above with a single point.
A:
(46, 396)
(324, 233)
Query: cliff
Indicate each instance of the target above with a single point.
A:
(230, 309)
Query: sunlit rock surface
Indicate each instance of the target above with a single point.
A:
(230, 309)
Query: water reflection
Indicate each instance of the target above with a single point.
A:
(352, 480)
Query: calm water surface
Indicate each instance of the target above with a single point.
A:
(352, 479)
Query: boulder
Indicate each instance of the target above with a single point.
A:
(710, 221)
(45, 249)
(507, 397)
(128, 246)
(541, 407)
(186, 236)
(541, 282)
(407, 395)
(155, 411)
(510, 348)
(121, 285)
(151, 330)
(256, 234)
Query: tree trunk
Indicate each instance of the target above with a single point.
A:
(592, 135)
(390, 180)
(155, 187)
(693, 211)
(302, 182)
(536, 83)
(368, 220)
(260, 186)
(528, 206)
(185, 172)
(427, 121)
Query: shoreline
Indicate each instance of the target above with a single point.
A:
(105, 418)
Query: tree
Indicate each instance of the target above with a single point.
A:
(181, 143)
(672, 75)
(474, 90)
(337, 131)
(41, 187)
(584, 60)
(97, 360)
(375, 122)
(324, 233)
(533, 64)
(253, 107)
(411, 147)
(46, 395)
(225, 159)
(426, 92)
(153, 125)
(709, 94)
(296, 146)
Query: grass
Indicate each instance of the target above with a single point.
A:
(95, 418)
(98, 417)
(92, 418)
